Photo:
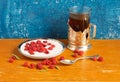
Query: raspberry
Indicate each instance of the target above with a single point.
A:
(34, 48)
(46, 52)
(80, 53)
(76, 51)
(48, 63)
(100, 59)
(38, 42)
(44, 62)
(25, 64)
(62, 58)
(53, 60)
(52, 45)
(31, 52)
(48, 43)
(26, 48)
(45, 41)
(75, 55)
(11, 60)
(50, 48)
(43, 49)
(32, 43)
(44, 45)
(39, 66)
(51, 66)
(27, 44)
(13, 57)
(31, 66)
(39, 50)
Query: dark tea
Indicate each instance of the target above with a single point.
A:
(79, 22)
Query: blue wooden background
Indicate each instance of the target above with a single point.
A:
(48, 18)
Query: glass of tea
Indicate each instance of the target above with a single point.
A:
(79, 28)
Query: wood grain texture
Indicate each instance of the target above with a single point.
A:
(83, 70)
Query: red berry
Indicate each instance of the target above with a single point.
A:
(45, 41)
(34, 48)
(31, 43)
(52, 45)
(25, 64)
(62, 58)
(44, 45)
(51, 66)
(39, 66)
(75, 55)
(51, 61)
(48, 62)
(31, 66)
(11, 60)
(43, 49)
(13, 57)
(44, 62)
(26, 48)
(80, 53)
(54, 62)
(31, 52)
(39, 50)
(50, 48)
(27, 44)
(100, 59)
(76, 51)
(48, 43)
(46, 52)
(38, 42)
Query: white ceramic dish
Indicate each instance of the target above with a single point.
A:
(58, 49)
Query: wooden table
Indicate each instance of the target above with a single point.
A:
(83, 70)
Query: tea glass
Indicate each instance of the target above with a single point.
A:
(79, 28)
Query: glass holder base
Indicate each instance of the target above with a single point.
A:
(72, 47)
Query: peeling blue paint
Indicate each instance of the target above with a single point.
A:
(48, 18)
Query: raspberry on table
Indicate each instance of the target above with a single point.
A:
(62, 58)
(14, 57)
(100, 59)
(11, 60)
(76, 51)
(75, 55)
(51, 66)
(53, 60)
(25, 64)
(80, 53)
(39, 66)
(31, 66)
